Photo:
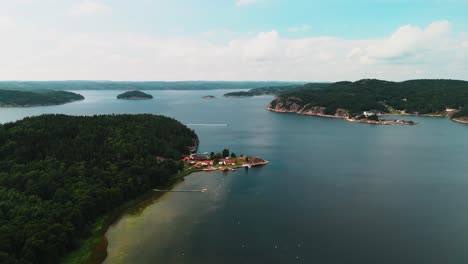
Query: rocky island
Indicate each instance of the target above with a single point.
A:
(208, 97)
(16, 98)
(367, 101)
(134, 95)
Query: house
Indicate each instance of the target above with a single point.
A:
(199, 157)
(372, 113)
(229, 162)
(207, 163)
(449, 110)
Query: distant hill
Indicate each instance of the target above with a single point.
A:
(134, 95)
(273, 90)
(14, 98)
(432, 97)
(151, 85)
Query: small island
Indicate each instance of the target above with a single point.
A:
(208, 97)
(134, 95)
(16, 98)
(224, 161)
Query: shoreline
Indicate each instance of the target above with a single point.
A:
(93, 249)
(36, 105)
(382, 122)
(461, 121)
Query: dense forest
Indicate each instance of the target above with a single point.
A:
(36, 98)
(59, 173)
(413, 97)
(152, 85)
(134, 95)
(274, 90)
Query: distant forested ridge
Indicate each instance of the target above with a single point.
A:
(273, 90)
(12, 98)
(59, 173)
(150, 85)
(440, 97)
(134, 95)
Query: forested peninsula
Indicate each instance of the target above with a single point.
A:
(134, 95)
(60, 173)
(16, 98)
(269, 90)
(369, 97)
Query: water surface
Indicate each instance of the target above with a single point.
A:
(335, 192)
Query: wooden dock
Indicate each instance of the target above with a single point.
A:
(202, 190)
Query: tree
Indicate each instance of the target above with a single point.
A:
(49, 195)
(225, 153)
(233, 155)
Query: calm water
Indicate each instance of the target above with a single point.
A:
(335, 192)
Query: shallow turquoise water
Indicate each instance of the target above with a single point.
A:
(335, 192)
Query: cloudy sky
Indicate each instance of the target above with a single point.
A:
(289, 40)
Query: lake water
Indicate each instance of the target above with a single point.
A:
(335, 192)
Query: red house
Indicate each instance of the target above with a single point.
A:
(229, 162)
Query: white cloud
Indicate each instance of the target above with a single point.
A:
(32, 53)
(299, 29)
(245, 2)
(6, 22)
(89, 7)
(410, 41)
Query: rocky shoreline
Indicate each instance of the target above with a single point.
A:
(341, 114)
(462, 121)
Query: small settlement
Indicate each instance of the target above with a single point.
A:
(373, 117)
(211, 162)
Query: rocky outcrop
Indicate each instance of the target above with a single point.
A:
(295, 105)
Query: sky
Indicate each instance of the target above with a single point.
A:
(233, 40)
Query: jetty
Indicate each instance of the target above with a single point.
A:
(209, 125)
(201, 190)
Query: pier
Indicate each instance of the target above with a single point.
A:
(202, 190)
(213, 125)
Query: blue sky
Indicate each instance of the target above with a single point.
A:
(256, 39)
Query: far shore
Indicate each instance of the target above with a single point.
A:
(348, 119)
(2, 105)
(381, 122)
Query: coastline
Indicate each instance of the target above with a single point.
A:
(382, 122)
(459, 120)
(93, 249)
(35, 105)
